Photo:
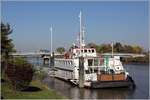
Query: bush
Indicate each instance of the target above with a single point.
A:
(19, 73)
(40, 74)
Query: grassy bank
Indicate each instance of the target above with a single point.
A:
(37, 91)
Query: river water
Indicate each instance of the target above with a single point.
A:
(139, 73)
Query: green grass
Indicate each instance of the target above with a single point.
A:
(45, 92)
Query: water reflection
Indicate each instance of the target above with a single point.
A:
(73, 92)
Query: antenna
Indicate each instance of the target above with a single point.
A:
(51, 39)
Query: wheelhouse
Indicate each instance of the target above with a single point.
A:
(85, 52)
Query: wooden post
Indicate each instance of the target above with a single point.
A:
(81, 72)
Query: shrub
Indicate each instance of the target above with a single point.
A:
(40, 74)
(19, 73)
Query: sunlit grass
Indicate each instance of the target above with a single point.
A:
(44, 93)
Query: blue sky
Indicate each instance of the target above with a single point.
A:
(125, 22)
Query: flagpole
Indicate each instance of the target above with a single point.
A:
(51, 39)
(112, 45)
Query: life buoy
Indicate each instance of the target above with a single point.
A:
(117, 68)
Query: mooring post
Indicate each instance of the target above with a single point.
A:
(81, 72)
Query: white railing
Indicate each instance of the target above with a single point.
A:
(64, 63)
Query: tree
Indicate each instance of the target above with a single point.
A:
(137, 49)
(16, 70)
(60, 49)
(19, 73)
(6, 45)
(103, 48)
(118, 47)
(128, 49)
(91, 45)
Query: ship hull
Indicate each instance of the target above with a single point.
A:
(101, 84)
(109, 84)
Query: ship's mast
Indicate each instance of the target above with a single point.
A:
(80, 39)
(81, 34)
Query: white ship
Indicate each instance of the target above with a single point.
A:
(98, 71)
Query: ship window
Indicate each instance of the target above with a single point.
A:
(111, 71)
(89, 50)
(92, 50)
(85, 51)
(71, 62)
(95, 70)
(95, 62)
(90, 62)
(64, 63)
(87, 71)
